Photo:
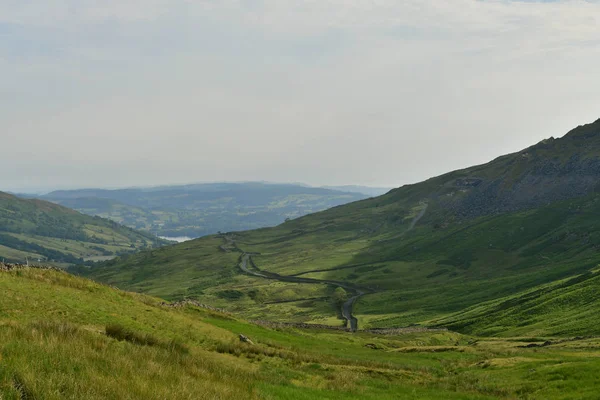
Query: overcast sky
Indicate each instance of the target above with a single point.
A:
(377, 92)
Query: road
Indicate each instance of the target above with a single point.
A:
(346, 307)
(347, 311)
(357, 291)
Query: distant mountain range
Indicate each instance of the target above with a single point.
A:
(202, 209)
(40, 231)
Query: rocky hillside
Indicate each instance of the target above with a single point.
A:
(550, 171)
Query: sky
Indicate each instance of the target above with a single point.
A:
(326, 92)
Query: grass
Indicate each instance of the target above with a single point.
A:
(81, 364)
(67, 337)
(565, 307)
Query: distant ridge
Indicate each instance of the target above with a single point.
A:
(367, 190)
(200, 209)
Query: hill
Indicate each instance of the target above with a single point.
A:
(481, 250)
(42, 231)
(202, 209)
(64, 337)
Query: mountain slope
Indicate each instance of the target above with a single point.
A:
(40, 230)
(67, 337)
(424, 251)
(563, 307)
(197, 210)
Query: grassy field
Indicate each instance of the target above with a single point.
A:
(66, 337)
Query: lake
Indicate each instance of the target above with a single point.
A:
(178, 239)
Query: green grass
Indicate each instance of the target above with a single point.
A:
(565, 307)
(66, 337)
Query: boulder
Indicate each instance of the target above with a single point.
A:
(245, 339)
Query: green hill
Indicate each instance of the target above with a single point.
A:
(37, 230)
(443, 252)
(64, 337)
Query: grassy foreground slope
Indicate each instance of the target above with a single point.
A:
(515, 226)
(36, 229)
(63, 337)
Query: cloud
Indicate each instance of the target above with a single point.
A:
(328, 91)
(73, 12)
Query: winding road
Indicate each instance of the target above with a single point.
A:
(346, 307)
(356, 290)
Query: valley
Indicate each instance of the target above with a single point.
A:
(424, 260)
(300, 200)
(442, 289)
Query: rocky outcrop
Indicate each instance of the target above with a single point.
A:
(245, 339)
(551, 171)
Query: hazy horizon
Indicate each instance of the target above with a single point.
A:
(384, 93)
(49, 189)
